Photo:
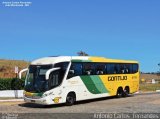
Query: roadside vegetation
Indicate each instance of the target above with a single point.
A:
(149, 87)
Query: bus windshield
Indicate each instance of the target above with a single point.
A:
(35, 79)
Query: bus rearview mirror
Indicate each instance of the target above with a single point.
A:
(71, 71)
(49, 71)
(22, 71)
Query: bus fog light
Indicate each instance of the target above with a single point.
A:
(56, 99)
(43, 100)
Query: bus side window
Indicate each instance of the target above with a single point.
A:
(113, 68)
(110, 69)
(128, 68)
(88, 69)
(122, 68)
(63, 67)
(116, 69)
(100, 69)
(75, 70)
(134, 68)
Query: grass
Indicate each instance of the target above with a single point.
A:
(149, 87)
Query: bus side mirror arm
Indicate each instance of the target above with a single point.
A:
(22, 71)
(49, 71)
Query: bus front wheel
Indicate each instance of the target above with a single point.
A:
(70, 99)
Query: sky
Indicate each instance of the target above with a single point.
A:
(118, 29)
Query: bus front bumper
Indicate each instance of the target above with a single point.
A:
(43, 101)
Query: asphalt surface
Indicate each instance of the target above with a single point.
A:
(140, 103)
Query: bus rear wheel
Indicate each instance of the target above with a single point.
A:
(120, 93)
(126, 91)
(70, 99)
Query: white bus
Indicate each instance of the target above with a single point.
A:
(66, 79)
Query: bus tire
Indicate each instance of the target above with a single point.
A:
(126, 91)
(70, 99)
(120, 92)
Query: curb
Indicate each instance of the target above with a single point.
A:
(11, 93)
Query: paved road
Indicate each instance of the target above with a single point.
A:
(147, 103)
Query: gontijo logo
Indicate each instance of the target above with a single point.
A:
(117, 78)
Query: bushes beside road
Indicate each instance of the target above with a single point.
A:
(149, 87)
(11, 84)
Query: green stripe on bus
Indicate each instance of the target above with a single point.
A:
(96, 82)
(99, 84)
(90, 84)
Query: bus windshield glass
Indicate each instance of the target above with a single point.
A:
(36, 81)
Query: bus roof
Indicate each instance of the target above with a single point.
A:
(100, 59)
(56, 59)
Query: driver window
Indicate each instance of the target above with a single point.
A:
(75, 70)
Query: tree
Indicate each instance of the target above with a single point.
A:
(81, 53)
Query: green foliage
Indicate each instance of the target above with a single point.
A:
(5, 84)
(11, 84)
(17, 84)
